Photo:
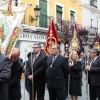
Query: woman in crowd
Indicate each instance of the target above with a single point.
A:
(75, 78)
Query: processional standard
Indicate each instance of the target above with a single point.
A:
(10, 26)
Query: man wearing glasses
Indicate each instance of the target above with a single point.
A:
(94, 75)
(37, 63)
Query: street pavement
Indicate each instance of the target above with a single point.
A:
(83, 97)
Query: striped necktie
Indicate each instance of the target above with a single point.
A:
(53, 59)
(92, 62)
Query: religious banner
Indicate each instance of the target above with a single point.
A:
(75, 43)
(50, 39)
(10, 26)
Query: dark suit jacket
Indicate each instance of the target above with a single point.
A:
(21, 60)
(57, 73)
(39, 69)
(94, 73)
(75, 70)
(5, 73)
(82, 63)
(14, 83)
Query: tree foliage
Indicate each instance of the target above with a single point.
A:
(63, 28)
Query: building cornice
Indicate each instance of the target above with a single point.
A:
(93, 9)
(33, 28)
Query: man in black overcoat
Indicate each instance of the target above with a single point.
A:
(94, 75)
(16, 71)
(5, 74)
(57, 70)
(37, 63)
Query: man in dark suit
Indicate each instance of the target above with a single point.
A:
(81, 59)
(5, 73)
(38, 66)
(21, 60)
(94, 75)
(16, 71)
(57, 69)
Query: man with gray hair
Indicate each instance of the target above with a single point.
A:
(57, 71)
(94, 75)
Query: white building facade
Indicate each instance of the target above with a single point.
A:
(91, 13)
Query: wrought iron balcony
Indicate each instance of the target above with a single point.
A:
(93, 3)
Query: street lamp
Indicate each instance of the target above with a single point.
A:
(37, 14)
(37, 11)
(91, 22)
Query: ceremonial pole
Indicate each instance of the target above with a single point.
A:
(88, 64)
(25, 50)
(87, 86)
(51, 18)
(68, 85)
(32, 62)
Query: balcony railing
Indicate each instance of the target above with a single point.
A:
(93, 3)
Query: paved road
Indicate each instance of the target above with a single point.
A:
(83, 97)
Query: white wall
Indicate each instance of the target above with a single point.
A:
(99, 4)
(25, 45)
(85, 1)
(88, 13)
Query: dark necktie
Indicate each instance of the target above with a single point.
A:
(53, 59)
(34, 58)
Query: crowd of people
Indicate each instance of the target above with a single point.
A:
(61, 72)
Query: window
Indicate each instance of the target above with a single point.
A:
(72, 16)
(43, 13)
(13, 2)
(93, 3)
(59, 13)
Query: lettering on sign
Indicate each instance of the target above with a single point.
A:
(33, 37)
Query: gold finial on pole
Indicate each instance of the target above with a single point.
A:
(51, 32)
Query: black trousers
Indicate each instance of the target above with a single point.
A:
(94, 92)
(56, 93)
(66, 89)
(40, 89)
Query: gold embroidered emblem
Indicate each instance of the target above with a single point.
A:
(96, 45)
(74, 45)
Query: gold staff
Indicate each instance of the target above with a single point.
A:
(32, 62)
(68, 84)
(87, 74)
(25, 50)
(87, 81)
(51, 18)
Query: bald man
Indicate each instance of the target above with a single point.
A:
(16, 71)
